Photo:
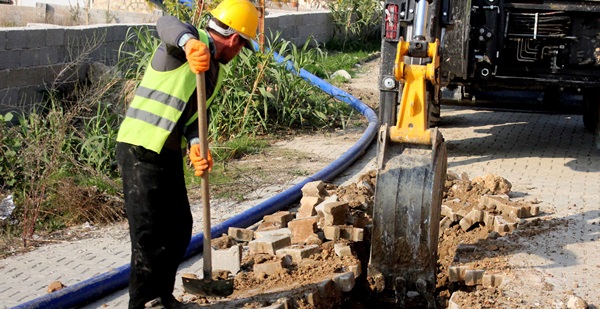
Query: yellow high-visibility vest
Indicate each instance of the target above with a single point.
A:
(158, 104)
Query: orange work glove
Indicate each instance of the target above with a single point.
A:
(200, 164)
(198, 56)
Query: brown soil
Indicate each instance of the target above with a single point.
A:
(478, 248)
(490, 251)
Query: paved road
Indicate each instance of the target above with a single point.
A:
(552, 158)
(546, 156)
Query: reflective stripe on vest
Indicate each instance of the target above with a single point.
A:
(158, 104)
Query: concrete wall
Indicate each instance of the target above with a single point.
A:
(299, 26)
(16, 16)
(81, 3)
(31, 57)
(140, 6)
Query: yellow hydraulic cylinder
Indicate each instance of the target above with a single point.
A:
(412, 125)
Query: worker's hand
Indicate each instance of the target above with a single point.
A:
(198, 56)
(200, 164)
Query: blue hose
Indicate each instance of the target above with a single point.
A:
(112, 281)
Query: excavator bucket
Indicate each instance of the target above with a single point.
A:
(406, 216)
(411, 169)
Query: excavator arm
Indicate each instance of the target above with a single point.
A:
(411, 169)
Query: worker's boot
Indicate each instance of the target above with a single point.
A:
(154, 304)
(164, 303)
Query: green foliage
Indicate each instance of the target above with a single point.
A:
(11, 164)
(260, 95)
(356, 21)
(179, 10)
(44, 153)
(189, 14)
(136, 51)
(96, 148)
(340, 58)
(237, 147)
(52, 143)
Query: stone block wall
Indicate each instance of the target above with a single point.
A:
(32, 57)
(139, 6)
(298, 27)
(16, 16)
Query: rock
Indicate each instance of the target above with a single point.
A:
(268, 268)
(342, 250)
(240, 234)
(223, 242)
(342, 73)
(55, 286)
(576, 302)
(491, 281)
(315, 189)
(307, 206)
(496, 184)
(345, 282)
(453, 301)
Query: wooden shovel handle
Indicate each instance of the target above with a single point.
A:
(203, 136)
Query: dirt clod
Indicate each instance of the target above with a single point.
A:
(55, 286)
(479, 225)
(223, 242)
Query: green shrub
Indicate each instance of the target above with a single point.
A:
(11, 163)
(356, 21)
(72, 137)
(136, 51)
(262, 96)
(96, 146)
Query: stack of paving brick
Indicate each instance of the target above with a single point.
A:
(500, 215)
(463, 273)
(497, 212)
(293, 238)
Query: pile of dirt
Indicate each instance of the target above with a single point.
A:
(317, 279)
(478, 246)
(473, 264)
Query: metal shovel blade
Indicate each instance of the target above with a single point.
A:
(201, 287)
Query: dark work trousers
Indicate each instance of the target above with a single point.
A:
(160, 220)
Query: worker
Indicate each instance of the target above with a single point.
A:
(163, 113)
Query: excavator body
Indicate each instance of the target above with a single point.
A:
(459, 49)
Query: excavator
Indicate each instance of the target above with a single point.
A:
(433, 47)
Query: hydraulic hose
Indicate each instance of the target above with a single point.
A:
(104, 284)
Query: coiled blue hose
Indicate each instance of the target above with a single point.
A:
(104, 284)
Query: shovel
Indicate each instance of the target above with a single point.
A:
(191, 284)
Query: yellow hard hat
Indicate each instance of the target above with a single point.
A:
(239, 15)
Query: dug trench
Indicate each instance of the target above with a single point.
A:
(315, 254)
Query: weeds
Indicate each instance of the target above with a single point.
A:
(59, 162)
(236, 148)
(96, 147)
(57, 147)
(136, 51)
(264, 96)
(11, 165)
(54, 147)
(356, 21)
